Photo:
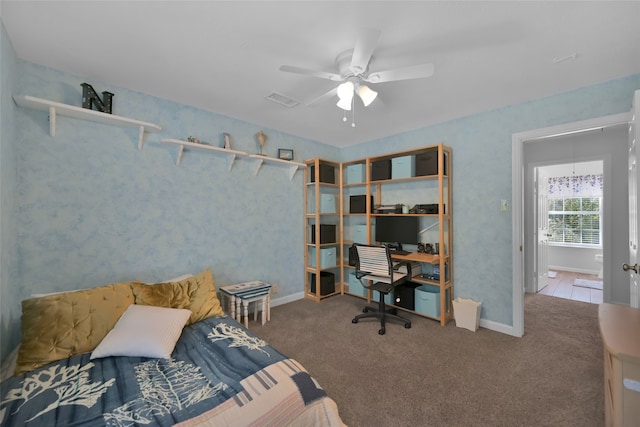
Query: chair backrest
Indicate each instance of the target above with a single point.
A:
(374, 263)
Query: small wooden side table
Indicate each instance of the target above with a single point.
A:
(242, 294)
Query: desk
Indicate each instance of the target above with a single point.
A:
(418, 257)
(242, 294)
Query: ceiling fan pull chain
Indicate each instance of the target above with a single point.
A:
(353, 112)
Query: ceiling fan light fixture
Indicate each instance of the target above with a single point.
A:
(345, 93)
(367, 95)
(344, 104)
(345, 90)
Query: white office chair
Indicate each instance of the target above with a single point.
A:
(375, 271)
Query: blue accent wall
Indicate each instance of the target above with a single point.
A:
(88, 208)
(9, 302)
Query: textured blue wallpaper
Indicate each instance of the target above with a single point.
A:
(93, 209)
(9, 309)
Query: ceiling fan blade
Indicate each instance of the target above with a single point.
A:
(306, 72)
(330, 94)
(365, 44)
(413, 72)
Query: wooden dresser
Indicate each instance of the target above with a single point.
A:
(620, 329)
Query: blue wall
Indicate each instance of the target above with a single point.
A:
(91, 209)
(9, 308)
(88, 208)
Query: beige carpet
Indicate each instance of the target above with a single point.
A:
(431, 375)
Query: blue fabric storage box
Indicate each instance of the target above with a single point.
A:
(355, 173)
(355, 286)
(427, 300)
(327, 257)
(327, 203)
(403, 167)
(360, 234)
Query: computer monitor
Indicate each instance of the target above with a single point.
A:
(397, 229)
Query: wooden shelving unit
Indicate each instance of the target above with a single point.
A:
(432, 189)
(321, 211)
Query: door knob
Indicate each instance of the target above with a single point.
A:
(627, 267)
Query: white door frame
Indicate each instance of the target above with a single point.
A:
(517, 195)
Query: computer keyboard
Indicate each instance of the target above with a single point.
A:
(399, 252)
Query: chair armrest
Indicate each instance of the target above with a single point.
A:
(360, 274)
(397, 266)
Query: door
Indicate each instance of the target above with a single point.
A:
(542, 228)
(632, 266)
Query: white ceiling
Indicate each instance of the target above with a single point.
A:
(224, 57)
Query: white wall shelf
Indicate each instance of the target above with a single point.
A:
(57, 108)
(231, 154)
(292, 166)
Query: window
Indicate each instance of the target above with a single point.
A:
(575, 220)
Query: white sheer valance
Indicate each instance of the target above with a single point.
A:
(576, 186)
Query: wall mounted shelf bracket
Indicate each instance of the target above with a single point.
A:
(230, 154)
(292, 166)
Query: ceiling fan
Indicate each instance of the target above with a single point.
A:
(353, 71)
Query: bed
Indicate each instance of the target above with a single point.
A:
(179, 361)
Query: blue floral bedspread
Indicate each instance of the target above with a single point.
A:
(219, 374)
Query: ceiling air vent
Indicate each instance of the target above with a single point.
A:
(282, 100)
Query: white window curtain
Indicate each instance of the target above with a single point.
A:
(575, 186)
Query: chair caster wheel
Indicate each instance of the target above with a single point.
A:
(407, 325)
(354, 320)
(381, 331)
(365, 310)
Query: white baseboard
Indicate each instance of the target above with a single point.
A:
(498, 327)
(484, 323)
(289, 298)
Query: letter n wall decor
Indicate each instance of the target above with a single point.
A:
(90, 99)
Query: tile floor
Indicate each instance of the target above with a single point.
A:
(562, 286)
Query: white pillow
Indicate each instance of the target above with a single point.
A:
(144, 331)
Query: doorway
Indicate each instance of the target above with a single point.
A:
(614, 156)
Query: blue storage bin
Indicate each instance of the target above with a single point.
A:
(327, 203)
(327, 257)
(427, 300)
(403, 167)
(355, 173)
(360, 234)
(355, 286)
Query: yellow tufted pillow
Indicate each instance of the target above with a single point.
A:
(196, 293)
(58, 326)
